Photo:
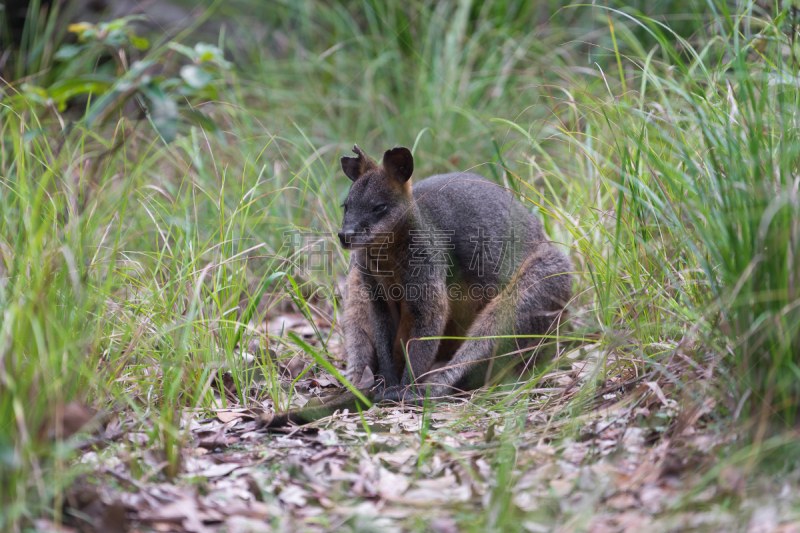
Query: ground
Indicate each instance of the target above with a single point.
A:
(631, 462)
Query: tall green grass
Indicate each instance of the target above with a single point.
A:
(666, 163)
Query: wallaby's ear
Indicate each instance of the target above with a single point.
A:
(399, 163)
(355, 167)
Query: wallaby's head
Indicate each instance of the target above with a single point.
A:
(379, 198)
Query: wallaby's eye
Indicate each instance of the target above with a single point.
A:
(379, 208)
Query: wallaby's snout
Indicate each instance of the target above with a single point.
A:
(355, 226)
(346, 238)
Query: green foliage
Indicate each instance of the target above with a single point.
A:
(115, 35)
(97, 67)
(666, 161)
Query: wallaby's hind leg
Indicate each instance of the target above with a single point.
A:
(530, 305)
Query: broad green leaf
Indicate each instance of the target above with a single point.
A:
(163, 112)
(68, 52)
(35, 93)
(120, 23)
(139, 42)
(63, 90)
(181, 49)
(80, 27)
(195, 76)
(120, 92)
(208, 52)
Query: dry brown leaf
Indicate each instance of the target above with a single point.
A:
(227, 415)
(731, 481)
(367, 379)
(622, 501)
(322, 455)
(250, 509)
(293, 495)
(183, 512)
(391, 485)
(444, 524)
(397, 458)
(219, 470)
(242, 524)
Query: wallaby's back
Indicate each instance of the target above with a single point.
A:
(490, 232)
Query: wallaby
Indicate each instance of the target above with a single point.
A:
(453, 256)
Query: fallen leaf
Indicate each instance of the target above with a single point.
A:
(621, 501)
(293, 495)
(250, 509)
(242, 524)
(764, 520)
(391, 485)
(219, 470)
(731, 481)
(397, 458)
(444, 524)
(322, 455)
(183, 512)
(439, 483)
(367, 379)
(226, 416)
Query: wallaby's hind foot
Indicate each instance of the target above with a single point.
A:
(531, 304)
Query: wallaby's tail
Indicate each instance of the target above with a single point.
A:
(319, 409)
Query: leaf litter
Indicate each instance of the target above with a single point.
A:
(640, 453)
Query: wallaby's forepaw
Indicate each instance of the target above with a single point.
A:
(382, 383)
(407, 394)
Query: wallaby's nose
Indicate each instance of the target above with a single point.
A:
(346, 237)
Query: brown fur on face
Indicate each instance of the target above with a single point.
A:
(379, 198)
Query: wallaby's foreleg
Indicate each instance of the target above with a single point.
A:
(530, 305)
(358, 334)
(427, 308)
(384, 331)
